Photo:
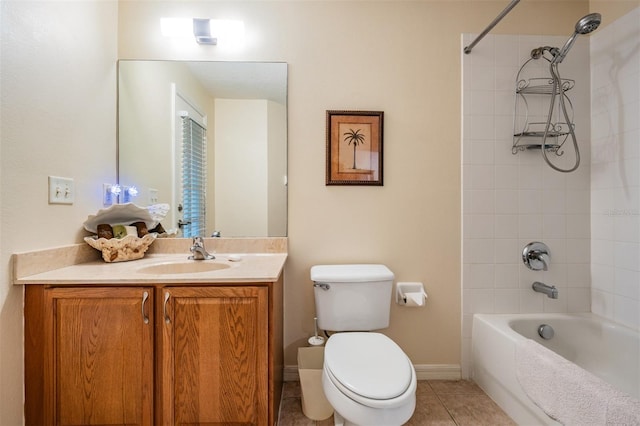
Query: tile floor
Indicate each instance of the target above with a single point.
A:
(438, 402)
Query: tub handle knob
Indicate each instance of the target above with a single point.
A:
(536, 256)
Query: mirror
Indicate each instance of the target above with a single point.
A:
(242, 106)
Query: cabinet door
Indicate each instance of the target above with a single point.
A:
(102, 364)
(215, 355)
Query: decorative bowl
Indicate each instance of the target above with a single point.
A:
(130, 247)
(125, 214)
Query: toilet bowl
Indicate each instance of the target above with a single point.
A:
(368, 380)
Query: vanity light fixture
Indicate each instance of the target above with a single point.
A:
(202, 31)
(205, 30)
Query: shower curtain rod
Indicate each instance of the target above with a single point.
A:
(493, 23)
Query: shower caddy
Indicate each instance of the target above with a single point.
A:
(532, 131)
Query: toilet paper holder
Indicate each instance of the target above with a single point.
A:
(411, 294)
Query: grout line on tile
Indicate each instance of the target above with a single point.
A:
(453, 419)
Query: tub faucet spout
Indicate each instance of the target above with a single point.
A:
(550, 290)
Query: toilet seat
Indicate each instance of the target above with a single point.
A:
(370, 369)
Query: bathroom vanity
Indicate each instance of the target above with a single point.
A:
(155, 341)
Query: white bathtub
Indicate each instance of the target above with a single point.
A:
(609, 351)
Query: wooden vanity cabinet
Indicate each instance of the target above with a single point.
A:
(214, 355)
(208, 354)
(89, 356)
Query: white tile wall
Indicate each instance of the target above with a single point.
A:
(590, 218)
(615, 170)
(510, 200)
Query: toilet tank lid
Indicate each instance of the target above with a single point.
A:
(351, 273)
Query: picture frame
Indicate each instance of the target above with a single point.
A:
(354, 147)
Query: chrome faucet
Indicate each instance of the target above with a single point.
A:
(541, 257)
(536, 256)
(550, 290)
(198, 250)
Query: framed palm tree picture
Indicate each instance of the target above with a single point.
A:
(354, 147)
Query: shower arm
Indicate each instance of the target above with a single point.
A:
(493, 23)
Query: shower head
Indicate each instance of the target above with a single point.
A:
(588, 23)
(585, 25)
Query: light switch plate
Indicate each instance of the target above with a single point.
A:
(153, 196)
(61, 190)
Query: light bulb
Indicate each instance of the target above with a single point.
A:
(116, 190)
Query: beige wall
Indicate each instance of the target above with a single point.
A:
(399, 57)
(58, 73)
(58, 118)
(241, 139)
(612, 9)
(277, 168)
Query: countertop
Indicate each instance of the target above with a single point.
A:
(75, 265)
(251, 267)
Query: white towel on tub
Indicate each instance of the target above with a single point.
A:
(568, 393)
(623, 410)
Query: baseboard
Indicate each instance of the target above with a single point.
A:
(438, 371)
(423, 372)
(291, 373)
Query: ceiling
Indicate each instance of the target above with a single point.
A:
(243, 80)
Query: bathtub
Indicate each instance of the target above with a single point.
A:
(610, 354)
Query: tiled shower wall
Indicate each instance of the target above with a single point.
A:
(590, 216)
(615, 170)
(511, 200)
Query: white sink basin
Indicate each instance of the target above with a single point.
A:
(183, 267)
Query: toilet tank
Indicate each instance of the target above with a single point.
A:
(352, 297)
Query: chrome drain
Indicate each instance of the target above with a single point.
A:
(546, 331)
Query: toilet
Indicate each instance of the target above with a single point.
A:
(366, 377)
